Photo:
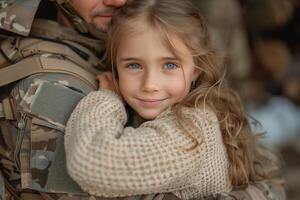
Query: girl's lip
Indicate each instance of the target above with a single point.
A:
(150, 102)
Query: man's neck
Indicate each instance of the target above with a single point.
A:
(61, 19)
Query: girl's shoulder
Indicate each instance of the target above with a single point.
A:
(202, 113)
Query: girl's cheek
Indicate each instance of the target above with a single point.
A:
(178, 88)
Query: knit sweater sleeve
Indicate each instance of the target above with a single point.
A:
(107, 159)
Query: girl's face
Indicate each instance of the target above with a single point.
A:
(151, 77)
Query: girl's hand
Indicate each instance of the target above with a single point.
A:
(105, 80)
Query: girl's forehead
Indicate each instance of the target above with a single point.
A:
(167, 37)
(148, 40)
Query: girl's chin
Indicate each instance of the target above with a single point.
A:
(148, 116)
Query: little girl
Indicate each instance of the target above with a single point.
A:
(196, 140)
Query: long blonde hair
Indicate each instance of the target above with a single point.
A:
(181, 18)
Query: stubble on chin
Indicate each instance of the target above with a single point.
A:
(99, 24)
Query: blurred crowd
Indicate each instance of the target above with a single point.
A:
(260, 40)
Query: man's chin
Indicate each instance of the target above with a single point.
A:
(101, 24)
(100, 27)
(97, 32)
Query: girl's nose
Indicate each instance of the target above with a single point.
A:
(150, 82)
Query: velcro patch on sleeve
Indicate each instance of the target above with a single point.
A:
(55, 102)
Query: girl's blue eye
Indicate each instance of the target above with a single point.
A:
(134, 66)
(170, 65)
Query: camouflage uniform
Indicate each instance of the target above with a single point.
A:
(35, 108)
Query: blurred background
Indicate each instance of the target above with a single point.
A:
(261, 42)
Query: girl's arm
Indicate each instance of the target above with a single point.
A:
(109, 160)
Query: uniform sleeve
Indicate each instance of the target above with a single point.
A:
(106, 159)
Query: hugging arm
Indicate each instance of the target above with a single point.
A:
(109, 160)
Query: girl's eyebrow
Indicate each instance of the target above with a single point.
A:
(128, 59)
(136, 59)
(169, 58)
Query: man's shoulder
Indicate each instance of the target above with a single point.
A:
(17, 15)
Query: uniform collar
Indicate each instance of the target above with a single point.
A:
(53, 30)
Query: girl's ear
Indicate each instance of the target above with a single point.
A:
(197, 72)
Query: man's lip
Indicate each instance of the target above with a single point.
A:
(105, 14)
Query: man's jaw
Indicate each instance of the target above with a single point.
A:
(102, 19)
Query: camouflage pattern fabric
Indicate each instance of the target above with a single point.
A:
(31, 147)
(17, 15)
(41, 151)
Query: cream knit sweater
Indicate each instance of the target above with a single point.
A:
(109, 160)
